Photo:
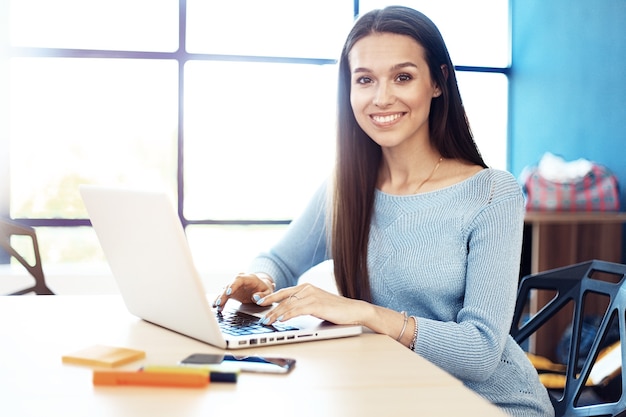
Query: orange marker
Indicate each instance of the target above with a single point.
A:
(153, 379)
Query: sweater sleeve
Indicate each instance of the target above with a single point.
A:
(470, 347)
(303, 245)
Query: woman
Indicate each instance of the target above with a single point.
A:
(425, 239)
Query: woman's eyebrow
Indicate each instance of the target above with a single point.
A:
(393, 68)
(360, 69)
(404, 65)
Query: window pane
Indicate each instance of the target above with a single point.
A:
(259, 138)
(221, 252)
(476, 32)
(485, 97)
(286, 28)
(143, 25)
(78, 121)
(69, 245)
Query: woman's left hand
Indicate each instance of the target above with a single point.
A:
(307, 299)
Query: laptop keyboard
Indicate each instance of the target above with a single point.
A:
(236, 323)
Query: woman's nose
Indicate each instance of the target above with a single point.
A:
(383, 97)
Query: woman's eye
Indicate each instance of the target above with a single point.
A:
(363, 80)
(403, 77)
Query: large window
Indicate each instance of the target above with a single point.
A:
(230, 106)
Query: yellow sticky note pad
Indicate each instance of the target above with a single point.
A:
(101, 355)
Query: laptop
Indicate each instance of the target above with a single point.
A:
(145, 245)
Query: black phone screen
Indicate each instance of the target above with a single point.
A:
(244, 363)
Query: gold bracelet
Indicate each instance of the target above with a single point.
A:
(406, 319)
(414, 340)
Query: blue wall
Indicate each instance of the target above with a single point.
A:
(568, 83)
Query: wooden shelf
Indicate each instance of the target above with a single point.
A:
(589, 217)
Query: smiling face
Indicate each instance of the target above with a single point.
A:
(391, 89)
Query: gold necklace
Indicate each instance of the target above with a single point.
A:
(430, 176)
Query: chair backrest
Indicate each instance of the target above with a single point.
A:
(10, 228)
(595, 286)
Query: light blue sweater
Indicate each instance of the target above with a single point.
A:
(451, 258)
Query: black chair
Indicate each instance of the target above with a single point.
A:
(10, 228)
(577, 292)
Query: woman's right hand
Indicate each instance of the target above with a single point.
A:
(245, 287)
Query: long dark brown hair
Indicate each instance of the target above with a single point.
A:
(358, 157)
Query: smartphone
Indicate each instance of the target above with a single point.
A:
(252, 363)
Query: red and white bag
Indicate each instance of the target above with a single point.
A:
(596, 190)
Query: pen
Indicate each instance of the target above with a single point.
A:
(214, 375)
(152, 378)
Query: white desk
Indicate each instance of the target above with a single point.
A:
(368, 375)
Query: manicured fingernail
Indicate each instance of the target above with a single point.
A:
(263, 320)
(280, 318)
(256, 298)
(229, 291)
(218, 301)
